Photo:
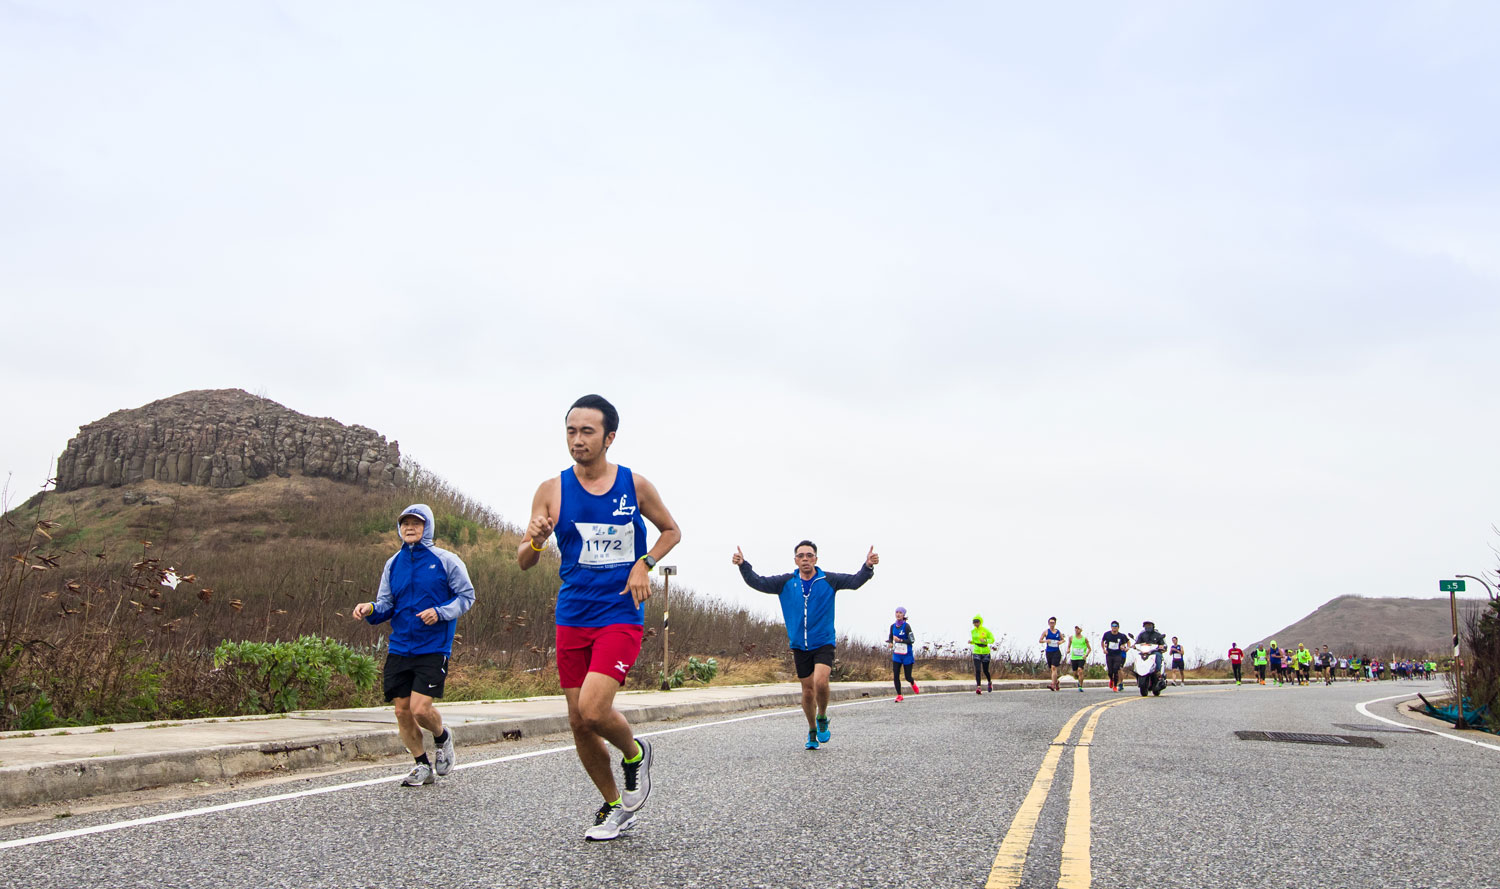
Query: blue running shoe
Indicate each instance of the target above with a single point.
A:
(823, 733)
(812, 740)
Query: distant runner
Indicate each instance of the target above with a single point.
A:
(1258, 660)
(1274, 653)
(1303, 658)
(1236, 658)
(807, 607)
(597, 509)
(423, 591)
(1079, 649)
(980, 640)
(1177, 661)
(1115, 643)
(902, 641)
(1051, 640)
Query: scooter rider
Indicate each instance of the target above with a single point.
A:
(1149, 636)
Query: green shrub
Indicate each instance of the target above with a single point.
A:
(703, 671)
(37, 716)
(282, 676)
(456, 529)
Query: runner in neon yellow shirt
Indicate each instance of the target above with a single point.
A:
(981, 639)
(1079, 648)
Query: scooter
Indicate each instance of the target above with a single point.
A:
(1146, 664)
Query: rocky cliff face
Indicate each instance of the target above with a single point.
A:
(223, 438)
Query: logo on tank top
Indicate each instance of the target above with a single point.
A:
(622, 509)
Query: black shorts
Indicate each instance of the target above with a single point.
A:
(1080, 663)
(1054, 657)
(1177, 663)
(981, 658)
(805, 660)
(422, 673)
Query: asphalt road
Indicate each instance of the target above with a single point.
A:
(917, 794)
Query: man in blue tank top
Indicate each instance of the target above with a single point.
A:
(1051, 639)
(807, 605)
(597, 509)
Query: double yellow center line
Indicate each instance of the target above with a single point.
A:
(1005, 873)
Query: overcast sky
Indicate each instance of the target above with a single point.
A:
(1185, 311)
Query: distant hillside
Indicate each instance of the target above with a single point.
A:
(1376, 627)
(217, 515)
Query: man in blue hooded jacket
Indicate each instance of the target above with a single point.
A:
(807, 606)
(423, 590)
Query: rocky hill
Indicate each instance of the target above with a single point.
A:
(223, 438)
(1375, 627)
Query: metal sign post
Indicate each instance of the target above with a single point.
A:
(666, 572)
(1453, 588)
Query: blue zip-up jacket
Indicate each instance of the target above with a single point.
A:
(809, 619)
(418, 577)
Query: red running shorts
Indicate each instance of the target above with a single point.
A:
(610, 650)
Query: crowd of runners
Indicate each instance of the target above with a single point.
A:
(1272, 664)
(597, 511)
(1278, 665)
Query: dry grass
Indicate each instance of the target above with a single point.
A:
(271, 561)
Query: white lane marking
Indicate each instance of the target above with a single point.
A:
(316, 791)
(1361, 708)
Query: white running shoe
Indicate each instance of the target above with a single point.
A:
(420, 774)
(637, 779)
(443, 759)
(615, 823)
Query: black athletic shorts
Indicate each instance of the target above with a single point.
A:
(423, 673)
(806, 659)
(980, 658)
(1054, 657)
(1177, 663)
(1079, 663)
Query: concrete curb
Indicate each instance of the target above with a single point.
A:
(57, 781)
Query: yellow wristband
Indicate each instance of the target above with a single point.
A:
(540, 549)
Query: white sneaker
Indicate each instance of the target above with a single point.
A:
(420, 774)
(443, 759)
(615, 823)
(637, 779)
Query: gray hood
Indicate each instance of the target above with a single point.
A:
(424, 512)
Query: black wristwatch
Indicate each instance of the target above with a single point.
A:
(650, 562)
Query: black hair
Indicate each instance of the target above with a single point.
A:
(602, 405)
(1050, 619)
(806, 543)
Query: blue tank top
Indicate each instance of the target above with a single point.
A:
(902, 637)
(1054, 640)
(600, 537)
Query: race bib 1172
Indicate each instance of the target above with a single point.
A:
(606, 544)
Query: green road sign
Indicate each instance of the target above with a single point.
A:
(1450, 586)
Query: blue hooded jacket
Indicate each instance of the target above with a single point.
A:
(809, 618)
(418, 577)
